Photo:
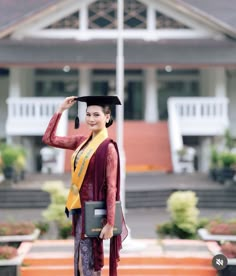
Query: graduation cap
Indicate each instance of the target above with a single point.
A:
(97, 100)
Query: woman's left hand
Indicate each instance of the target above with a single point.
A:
(107, 232)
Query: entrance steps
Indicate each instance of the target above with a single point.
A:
(139, 258)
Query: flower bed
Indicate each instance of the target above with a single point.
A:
(222, 228)
(11, 258)
(13, 229)
(229, 249)
(218, 230)
(18, 232)
(7, 252)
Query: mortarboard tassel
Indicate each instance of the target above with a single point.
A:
(76, 122)
(77, 117)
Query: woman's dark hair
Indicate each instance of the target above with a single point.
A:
(107, 110)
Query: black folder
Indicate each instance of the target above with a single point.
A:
(95, 218)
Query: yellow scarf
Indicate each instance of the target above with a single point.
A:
(78, 174)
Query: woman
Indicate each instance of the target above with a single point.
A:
(95, 176)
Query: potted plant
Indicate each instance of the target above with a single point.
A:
(13, 161)
(214, 165)
(227, 160)
(20, 164)
(9, 156)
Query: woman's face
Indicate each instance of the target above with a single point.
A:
(95, 118)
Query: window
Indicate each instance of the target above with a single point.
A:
(57, 83)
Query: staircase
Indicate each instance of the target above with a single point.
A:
(146, 145)
(23, 198)
(142, 190)
(50, 258)
(207, 198)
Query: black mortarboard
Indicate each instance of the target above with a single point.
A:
(97, 100)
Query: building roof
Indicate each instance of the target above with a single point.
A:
(53, 53)
(49, 53)
(12, 14)
(222, 12)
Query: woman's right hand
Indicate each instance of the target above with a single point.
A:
(67, 103)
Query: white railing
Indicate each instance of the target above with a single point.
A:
(198, 116)
(30, 115)
(201, 115)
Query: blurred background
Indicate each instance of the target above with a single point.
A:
(179, 76)
(175, 71)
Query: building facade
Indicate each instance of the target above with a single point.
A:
(180, 74)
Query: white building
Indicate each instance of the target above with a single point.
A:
(183, 50)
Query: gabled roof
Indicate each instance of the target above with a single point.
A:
(16, 12)
(221, 13)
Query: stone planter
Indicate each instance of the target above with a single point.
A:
(12, 267)
(230, 269)
(206, 236)
(20, 238)
(8, 173)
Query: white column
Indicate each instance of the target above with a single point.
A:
(232, 103)
(84, 90)
(151, 106)
(204, 155)
(120, 69)
(21, 82)
(27, 82)
(4, 84)
(83, 18)
(14, 90)
(151, 18)
(61, 131)
(28, 144)
(213, 82)
(220, 82)
(14, 85)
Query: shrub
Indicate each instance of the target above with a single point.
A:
(43, 226)
(184, 215)
(7, 252)
(227, 159)
(56, 210)
(65, 229)
(183, 211)
(214, 158)
(9, 156)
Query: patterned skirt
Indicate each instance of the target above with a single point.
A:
(83, 252)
